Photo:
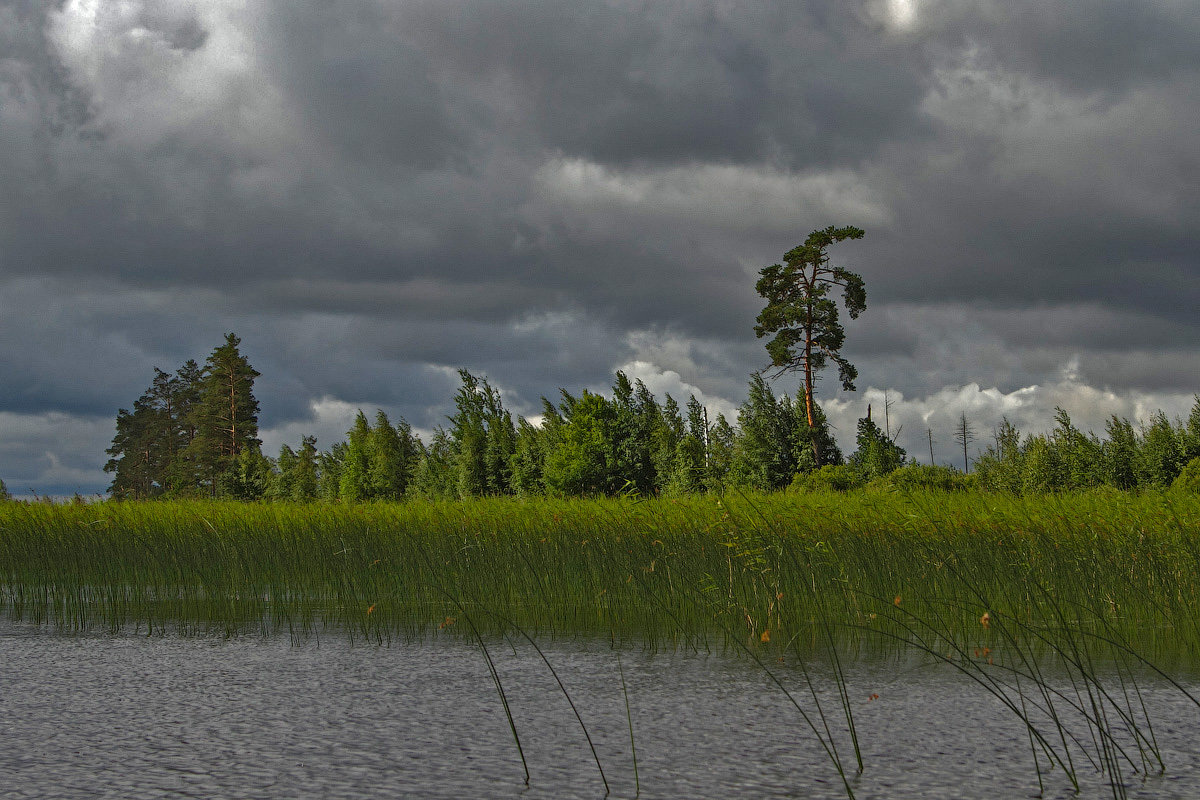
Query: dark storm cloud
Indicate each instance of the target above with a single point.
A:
(679, 83)
(1103, 47)
(361, 88)
(363, 359)
(375, 193)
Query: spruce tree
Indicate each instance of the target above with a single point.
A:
(534, 445)
(667, 435)
(296, 477)
(638, 416)
(168, 431)
(876, 454)
(146, 450)
(435, 475)
(149, 451)
(1001, 467)
(184, 478)
(1044, 468)
(721, 441)
(249, 477)
(1190, 439)
(225, 414)
(136, 453)
(765, 455)
(689, 471)
(582, 460)
(811, 439)
(483, 439)
(284, 475)
(1081, 455)
(329, 478)
(499, 446)
(527, 464)
(1161, 457)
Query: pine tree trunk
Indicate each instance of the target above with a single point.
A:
(232, 413)
(808, 400)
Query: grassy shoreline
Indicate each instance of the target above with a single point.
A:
(770, 570)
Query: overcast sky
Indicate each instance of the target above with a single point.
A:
(373, 194)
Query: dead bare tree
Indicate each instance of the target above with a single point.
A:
(964, 434)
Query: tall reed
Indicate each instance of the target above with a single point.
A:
(687, 572)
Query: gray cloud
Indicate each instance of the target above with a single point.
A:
(374, 194)
(1105, 48)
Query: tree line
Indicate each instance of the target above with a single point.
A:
(194, 432)
(1156, 455)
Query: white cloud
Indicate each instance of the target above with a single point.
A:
(665, 381)
(1030, 408)
(155, 70)
(903, 12)
(714, 368)
(329, 420)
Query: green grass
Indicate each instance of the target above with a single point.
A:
(691, 572)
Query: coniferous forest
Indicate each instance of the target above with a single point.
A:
(194, 433)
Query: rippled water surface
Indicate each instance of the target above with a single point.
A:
(130, 717)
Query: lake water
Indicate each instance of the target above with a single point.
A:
(130, 716)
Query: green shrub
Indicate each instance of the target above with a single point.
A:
(1189, 479)
(920, 477)
(840, 478)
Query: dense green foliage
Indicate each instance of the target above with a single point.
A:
(669, 570)
(875, 455)
(631, 444)
(1188, 481)
(1066, 459)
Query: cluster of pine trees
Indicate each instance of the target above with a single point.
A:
(189, 431)
(194, 434)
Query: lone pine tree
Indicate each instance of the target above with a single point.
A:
(804, 319)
